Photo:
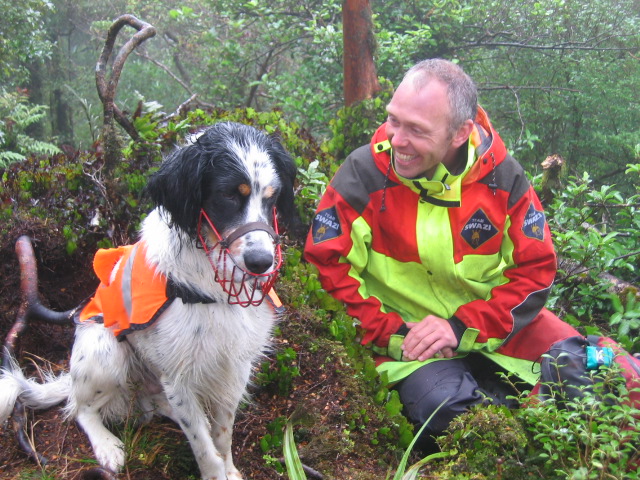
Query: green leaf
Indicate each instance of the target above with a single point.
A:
(291, 457)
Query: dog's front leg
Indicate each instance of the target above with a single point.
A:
(98, 369)
(222, 433)
(188, 412)
(108, 449)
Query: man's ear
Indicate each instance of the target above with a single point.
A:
(463, 134)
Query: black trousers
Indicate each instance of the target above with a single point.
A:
(463, 381)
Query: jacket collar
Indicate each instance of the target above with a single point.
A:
(443, 189)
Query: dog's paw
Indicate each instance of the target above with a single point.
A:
(234, 475)
(110, 455)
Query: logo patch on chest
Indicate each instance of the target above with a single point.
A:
(478, 229)
(533, 226)
(326, 225)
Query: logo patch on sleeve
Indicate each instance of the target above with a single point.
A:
(478, 229)
(326, 225)
(533, 226)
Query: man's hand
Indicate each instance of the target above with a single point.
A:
(432, 337)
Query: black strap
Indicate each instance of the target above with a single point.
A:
(240, 231)
(186, 294)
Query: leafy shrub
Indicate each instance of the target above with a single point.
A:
(279, 371)
(594, 437)
(356, 124)
(595, 232)
(488, 440)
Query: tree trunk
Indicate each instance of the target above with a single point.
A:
(36, 96)
(360, 77)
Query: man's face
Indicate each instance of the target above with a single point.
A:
(418, 129)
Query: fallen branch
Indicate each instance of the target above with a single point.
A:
(314, 474)
(30, 308)
(98, 473)
(616, 286)
(181, 108)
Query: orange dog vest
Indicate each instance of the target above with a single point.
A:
(137, 294)
(132, 299)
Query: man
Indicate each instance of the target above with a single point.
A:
(435, 241)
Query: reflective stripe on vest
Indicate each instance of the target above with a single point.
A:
(131, 295)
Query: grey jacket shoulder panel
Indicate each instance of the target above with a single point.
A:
(359, 177)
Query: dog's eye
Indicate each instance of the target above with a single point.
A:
(231, 196)
(244, 189)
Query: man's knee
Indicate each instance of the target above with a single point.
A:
(447, 392)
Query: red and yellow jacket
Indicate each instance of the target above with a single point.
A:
(472, 248)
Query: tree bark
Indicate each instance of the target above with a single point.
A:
(360, 77)
(552, 172)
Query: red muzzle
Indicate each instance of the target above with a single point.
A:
(243, 287)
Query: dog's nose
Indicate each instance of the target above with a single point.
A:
(258, 261)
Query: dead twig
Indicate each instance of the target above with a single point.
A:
(307, 470)
(181, 108)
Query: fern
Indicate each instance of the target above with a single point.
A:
(7, 158)
(16, 115)
(26, 115)
(30, 145)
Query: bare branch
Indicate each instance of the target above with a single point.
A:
(183, 84)
(560, 46)
(526, 87)
(181, 108)
(107, 88)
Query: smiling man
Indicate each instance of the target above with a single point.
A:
(437, 244)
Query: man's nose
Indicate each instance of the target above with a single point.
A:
(399, 138)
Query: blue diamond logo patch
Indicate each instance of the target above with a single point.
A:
(533, 226)
(478, 229)
(326, 225)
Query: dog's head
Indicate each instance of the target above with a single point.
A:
(229, 176)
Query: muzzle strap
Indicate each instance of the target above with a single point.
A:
(251, 289)
(249, 227)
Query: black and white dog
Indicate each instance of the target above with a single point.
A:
(187, 300)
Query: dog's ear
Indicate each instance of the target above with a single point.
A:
(287, 171)
(175, 188)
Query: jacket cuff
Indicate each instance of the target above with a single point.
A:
(466, 335)
(403, 330)
(394, 345)
(458, 327)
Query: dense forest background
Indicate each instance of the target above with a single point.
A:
(557, 77)
(560, 81)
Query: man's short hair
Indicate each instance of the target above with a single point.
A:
(461, 90)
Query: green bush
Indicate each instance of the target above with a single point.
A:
(595, 232)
